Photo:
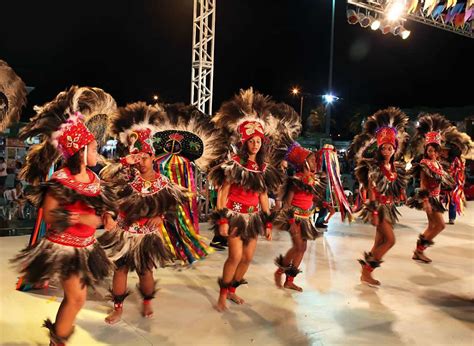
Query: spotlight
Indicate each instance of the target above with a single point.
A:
(385, 28)
(375, 24)
(404, 33)
(396, 29)
(365, 21)
(395, 10)
(352, 17)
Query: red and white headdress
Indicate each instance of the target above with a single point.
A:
(386, 126)
(67, 124)
(72, 136)
(433, 137)
(135, 126)
(249, 129)
(297, 155)
(436, 129)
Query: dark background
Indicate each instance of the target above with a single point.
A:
(134, 49)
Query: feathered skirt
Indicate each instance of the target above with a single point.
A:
(137, 246)
(301, 218)
(417, 201)
(59, 255)
(247, 225)
(386, 211)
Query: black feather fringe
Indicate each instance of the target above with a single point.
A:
(140, 252)
(49, 261)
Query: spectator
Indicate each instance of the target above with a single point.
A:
(3, 173)
(14, 197)
(16, 171)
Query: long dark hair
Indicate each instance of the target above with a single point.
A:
(436, 147)
(259, 158)
(380, 158)
(74, 162)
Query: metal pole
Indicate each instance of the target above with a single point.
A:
(331, 54)
(301, 108)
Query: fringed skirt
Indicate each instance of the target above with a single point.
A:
(247, 225)
(182, 239)
(140, 252)
(302, 220)
(417, 201)
(386, 211)
(50, 260)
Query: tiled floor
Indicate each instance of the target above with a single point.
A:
(418, 304)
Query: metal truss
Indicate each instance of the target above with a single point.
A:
(438, 21)
(202, 72)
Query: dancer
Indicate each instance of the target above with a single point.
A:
(301, 190)
(431, 132)
(243, 183)
(456, 145)
(186, 143)
(384, 178)
(73, 201)
(145, 200)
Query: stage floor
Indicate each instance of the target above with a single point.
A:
(417, 304)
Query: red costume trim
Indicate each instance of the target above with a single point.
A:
(64, 177)
(149, 187)
(69, 239)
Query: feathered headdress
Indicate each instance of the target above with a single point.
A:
(456, 139)
(135, 125)
(12, 96)
(384, 126)
(250, 114)
(188, 132)
(71, 110)
(246, 115)
(431, 128)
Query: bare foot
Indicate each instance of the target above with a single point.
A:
(292, 286)
(420, 256)
(235, 298)
(277, 277)
(221, 303)
(147, 310)
(114, 316)
(366, 278)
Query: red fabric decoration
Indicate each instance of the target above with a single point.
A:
(298, 155)
(139, 141)
(387, 135)
(72, 136)
(249, 129)
(433, 137)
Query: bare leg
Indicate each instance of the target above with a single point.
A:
(235, 246)
(386, 229)
(247, 256)
(287, 259)
(147, 289)
(119, 288)
(384, 241)
(299, 245)
(435, 226)
(74, 298)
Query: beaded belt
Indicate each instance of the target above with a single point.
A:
(302, 213)
(69, 239)
(241, 208)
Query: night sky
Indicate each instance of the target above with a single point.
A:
(134, 49)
